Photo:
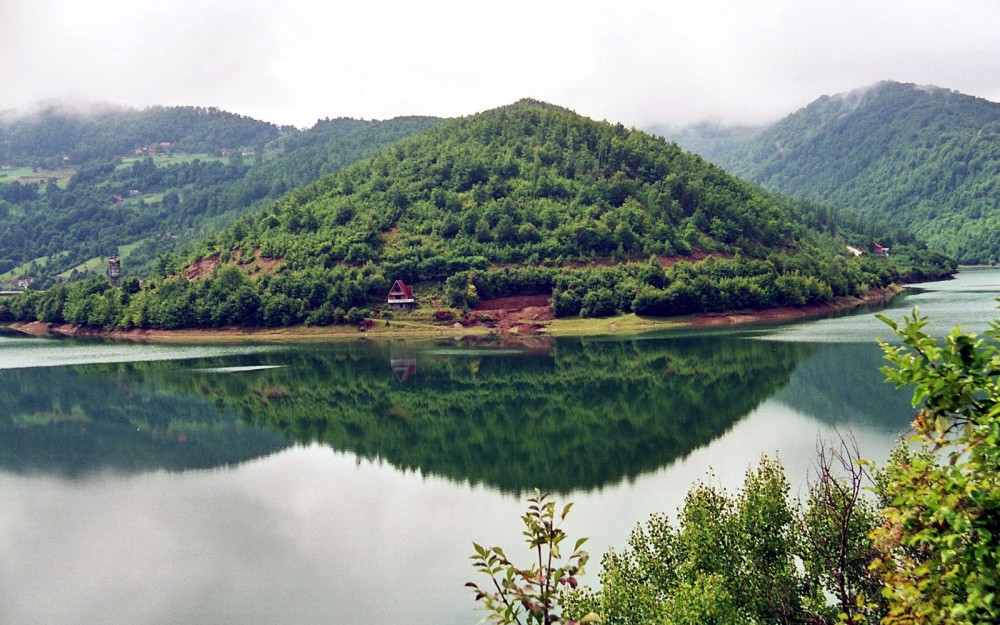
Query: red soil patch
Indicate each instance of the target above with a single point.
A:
(790, 313)
(201, 269)
(695, 257)
(524, 314)
(665, 261)
(513, 302)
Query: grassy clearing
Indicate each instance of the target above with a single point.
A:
(23, 270)
(179, 158)
(26, 175)
(93, 265)
(10, 175)
(98, 264)
(618, 324)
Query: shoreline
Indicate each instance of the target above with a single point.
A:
(401, 329)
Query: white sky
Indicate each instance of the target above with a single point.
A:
(642, 62)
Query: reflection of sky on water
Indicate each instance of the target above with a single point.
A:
(964, 302)
(18, 353)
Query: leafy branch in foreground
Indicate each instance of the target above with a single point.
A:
(940, 542)
(532, 595)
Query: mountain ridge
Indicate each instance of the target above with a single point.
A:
(919, 157)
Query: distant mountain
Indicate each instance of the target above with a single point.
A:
(920, 158)
(79, 185)
(54, 131)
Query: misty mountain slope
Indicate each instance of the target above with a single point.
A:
(922, 158)
(712, 141)
(176, 190)
(84, 132)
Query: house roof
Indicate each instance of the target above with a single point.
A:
(401, 288)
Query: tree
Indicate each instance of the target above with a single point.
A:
(728, 560)
(834, 547)
(940, 541)
(531, 595)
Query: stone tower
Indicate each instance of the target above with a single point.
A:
(114, 271)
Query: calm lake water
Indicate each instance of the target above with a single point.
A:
(345, 483)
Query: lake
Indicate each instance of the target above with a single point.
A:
(345, 482)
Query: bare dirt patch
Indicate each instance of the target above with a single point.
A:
(790, 313)
(523, 314)
(201, 269)
(513, 302)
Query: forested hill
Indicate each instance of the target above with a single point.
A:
(524, 199)
(81, 133)
(922, 158)
(76, 188)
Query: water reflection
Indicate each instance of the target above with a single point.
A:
(566, 415)
(125, 417)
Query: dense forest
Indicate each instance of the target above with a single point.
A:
(143, 183)
(924, 159)
(524, 199)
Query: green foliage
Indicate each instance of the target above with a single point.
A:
(749, 558)
(531, 595)
(180, 196)
(727, 560)
(941, 537)
(524, 199)
(921, 159)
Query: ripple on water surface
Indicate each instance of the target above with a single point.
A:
(18, 353)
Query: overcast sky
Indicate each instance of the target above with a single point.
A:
(657, 62)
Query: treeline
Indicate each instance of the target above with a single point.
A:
(347, 294)
(712, 285)
(228, 298)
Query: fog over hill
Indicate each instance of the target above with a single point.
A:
(918, 157)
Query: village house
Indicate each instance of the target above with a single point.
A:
(879, 250)
(400, 296)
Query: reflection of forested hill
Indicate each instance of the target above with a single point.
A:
(840, 383)
(73, 420)
(586, 415)
(582, 414)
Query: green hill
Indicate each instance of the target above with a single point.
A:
(524, 199)
(143, 183)
(920, 158)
